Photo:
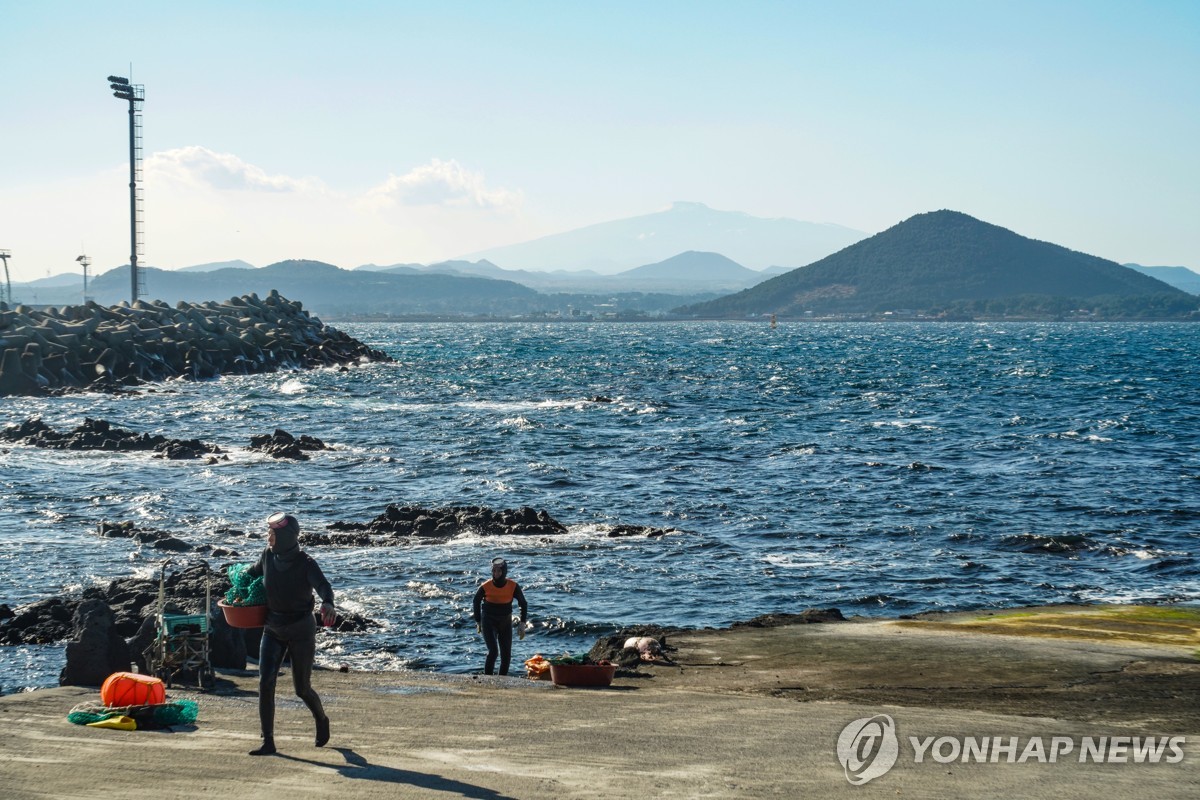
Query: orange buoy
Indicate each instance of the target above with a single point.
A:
(132, 689)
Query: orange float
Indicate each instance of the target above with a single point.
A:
(132, 689)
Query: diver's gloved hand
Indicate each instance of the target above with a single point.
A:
(521, 631)
(328, 614)
(478, 627)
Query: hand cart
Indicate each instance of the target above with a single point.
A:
(180, 650)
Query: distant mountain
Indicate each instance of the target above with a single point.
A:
(771, 272)
(398, 268)
(611, 247)
(948, 262)
(216, 265)
(689, 273)
(694, 266)
(327, 290)
(1181, 278)
(694, 270)
(480, 269)
(62, 279)
(335, 293)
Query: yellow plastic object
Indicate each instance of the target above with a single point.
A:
(118, 722)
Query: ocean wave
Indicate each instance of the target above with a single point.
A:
(970, 495)
(1047, 543)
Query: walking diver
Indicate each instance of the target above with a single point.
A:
(290, 576)
(494, 599)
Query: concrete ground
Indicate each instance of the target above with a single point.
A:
(745, 712)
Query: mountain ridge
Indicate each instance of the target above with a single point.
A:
(617, 245)
(949, 262)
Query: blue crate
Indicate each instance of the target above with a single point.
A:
(173, 624)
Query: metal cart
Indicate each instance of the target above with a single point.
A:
(180, 650)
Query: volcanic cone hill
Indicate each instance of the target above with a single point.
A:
(950, 264)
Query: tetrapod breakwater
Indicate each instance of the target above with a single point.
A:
(54, 350)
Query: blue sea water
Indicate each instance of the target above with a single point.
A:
(878, 468)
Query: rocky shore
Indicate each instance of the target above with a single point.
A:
(756, 710)
(100, 434)
(107, 629)
(106, 348)
(399, 524)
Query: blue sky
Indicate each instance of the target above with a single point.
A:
(395, 132)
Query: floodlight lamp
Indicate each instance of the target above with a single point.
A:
(123, 96)
(115, 79)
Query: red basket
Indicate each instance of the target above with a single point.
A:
(582, 674)
(243, 616)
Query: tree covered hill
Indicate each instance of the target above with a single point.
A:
(329, 290)
(946, 262)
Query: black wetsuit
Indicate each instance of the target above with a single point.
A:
(290, 625)
(495, 620)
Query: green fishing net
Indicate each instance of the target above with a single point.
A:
(158, 715)
(246, 590)
(568, 659)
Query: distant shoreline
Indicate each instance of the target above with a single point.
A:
(750, 321)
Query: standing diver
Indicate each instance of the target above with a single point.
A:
(494, 599)
(290, 576)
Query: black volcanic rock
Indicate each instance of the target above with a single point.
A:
(946, 261)
(101, 619)
(99, 434)
(282, 444)
(399, 522)
(97, 649)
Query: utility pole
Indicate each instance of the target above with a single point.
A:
(135, 93)
(4, 255)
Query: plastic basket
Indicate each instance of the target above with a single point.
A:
(582, 674)
(243, 616)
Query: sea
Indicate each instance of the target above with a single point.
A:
(878, 468)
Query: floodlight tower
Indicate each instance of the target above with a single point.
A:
(135, 93)
(4, 254)
(85, 262)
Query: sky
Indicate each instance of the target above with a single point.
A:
(396, 132)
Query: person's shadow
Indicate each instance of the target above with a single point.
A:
(359, 768)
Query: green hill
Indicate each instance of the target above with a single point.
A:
(945, 263)
(328, 290)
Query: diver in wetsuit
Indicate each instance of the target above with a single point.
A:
(290, 576)
(492, 610)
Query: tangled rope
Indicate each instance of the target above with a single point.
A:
(158, 715)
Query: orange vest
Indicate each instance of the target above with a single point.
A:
(499, 594)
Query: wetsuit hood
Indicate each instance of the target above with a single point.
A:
(499, 571)
(286, 549)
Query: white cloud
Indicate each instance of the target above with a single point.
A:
(441, 183)
(200, 166)
(203, 206)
